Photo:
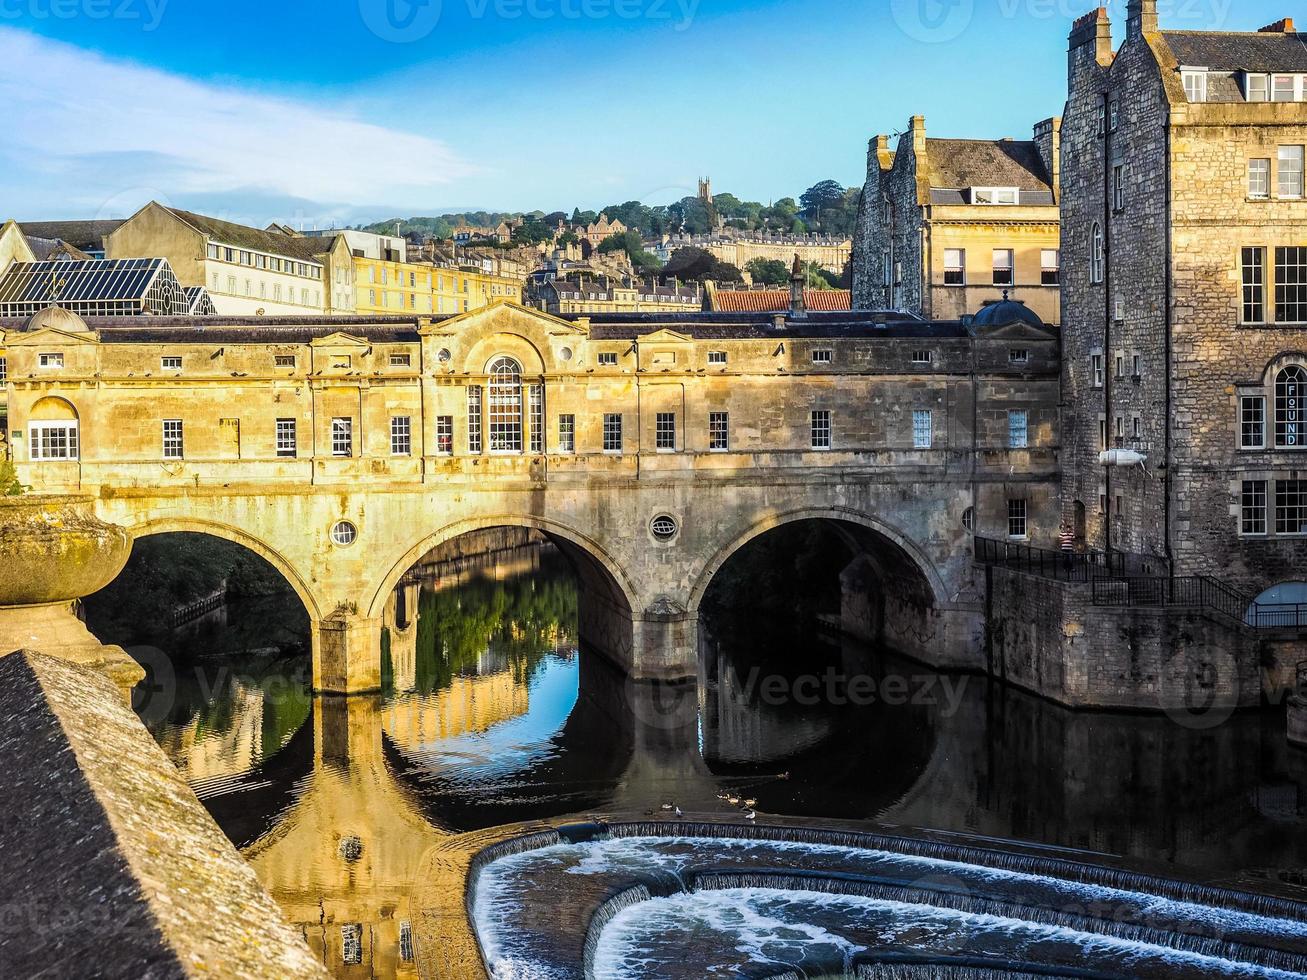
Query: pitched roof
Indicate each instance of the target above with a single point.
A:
(778, 300)
(1238, 51)
(309, 249)
(85, 235)
(46, 249)
(987, 163)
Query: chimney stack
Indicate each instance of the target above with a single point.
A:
(798, 280)
(1284, 26)
(1094, 30)
(1141, 18)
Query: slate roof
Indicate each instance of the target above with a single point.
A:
(987, 163)
(85, 235)
(308, 249)
(1231, 51)
(778, 300)
(46, 249)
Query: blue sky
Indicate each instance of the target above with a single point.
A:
(322, 111)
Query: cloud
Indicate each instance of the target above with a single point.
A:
(91, 131)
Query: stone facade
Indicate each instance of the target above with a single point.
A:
(177, 429)
(921, 211)
(1158, 346)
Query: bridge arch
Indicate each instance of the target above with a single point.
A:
(172, 525)
(599, 571)
(883, 531)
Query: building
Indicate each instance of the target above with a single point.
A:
(365, 244)
(247, 271)
(428, 287)
(98, 287)
(1183, 203)
(596, 232)
(85, 237)
(604, 294)
(740, 248)
(948, 224)
(772, 300)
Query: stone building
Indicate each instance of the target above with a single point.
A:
(605, 294)
(946, 225)
(1185, 295)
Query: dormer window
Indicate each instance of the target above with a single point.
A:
(995, 195)
(1256, 88)
(1195, 84)
(1286, 88)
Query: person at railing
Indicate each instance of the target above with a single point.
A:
(1067, 539)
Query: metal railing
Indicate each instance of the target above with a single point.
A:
(1090, 566)
(1200, 592)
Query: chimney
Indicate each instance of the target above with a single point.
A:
(1284, 26)
(1093, 30)
(1048, 139)
(917, 126)
(798, 306)
(1141, 18)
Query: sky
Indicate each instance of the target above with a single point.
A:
(319, 113)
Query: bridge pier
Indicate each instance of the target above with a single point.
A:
(347, 654)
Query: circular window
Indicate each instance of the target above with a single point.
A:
(443, 355)
(664, 528)
(969, 519)
(344, 533)
(565, 353)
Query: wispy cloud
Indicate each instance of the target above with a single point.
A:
(102, 136)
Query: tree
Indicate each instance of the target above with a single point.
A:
(815, 277)
(580, 217)
(769, 272)
(821, 197)
(697, 264)
(532, 231)
(630, 243)
(568, 238)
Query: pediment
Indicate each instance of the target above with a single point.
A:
(503, 316)
(51, 337)
(665, 336)
(339, 340)
(1016, 331)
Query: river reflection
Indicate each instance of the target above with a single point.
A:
(492, 716)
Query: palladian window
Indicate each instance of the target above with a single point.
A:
(505, 406)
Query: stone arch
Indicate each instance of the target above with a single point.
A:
(938, 591)
(171, 525)
(584, 551)
(53, 408)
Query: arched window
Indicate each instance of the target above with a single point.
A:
(1096, 255)
(52, 430)
(1290, 388)
(505, 406)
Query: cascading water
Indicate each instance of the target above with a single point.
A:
(642, 900)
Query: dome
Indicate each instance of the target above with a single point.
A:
(1005, 312)
(56, 318)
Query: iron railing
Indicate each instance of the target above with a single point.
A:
(1200, 592)
(1064, 566)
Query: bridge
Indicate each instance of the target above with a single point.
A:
(649, 448)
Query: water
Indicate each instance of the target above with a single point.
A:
(492, 716)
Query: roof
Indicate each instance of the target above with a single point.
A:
(1238, 51)
(987, 163)
(85, 235)
(778, 300)
(53, 248)
(308, 249)
(87, 283)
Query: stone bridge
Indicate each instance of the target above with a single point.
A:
(650, 453)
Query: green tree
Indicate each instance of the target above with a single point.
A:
(532, 231)
(630, 243)
(689, 264)
(769, 272)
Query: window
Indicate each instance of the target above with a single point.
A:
(351, 944)
(1284, 88)
(401, 435)
(172, 439)
(1113, 115)
(1195, 86)
(821, 429)
(342, 362)
(1120, 365)
(283, 360)
(1252, 507)
(170, 363)
(995, 195)
(1050, 267)
(1018, 355)
(4, 369)
(1290, 387)
(505, 406)
(53, 440)
(1118, 187)
(955, 267)
(444, 435)
(1018, 430)
(1291, 284)
(1252, 422)
(923, 434)
(1016, 518)
(1136, 428)
(608, 360)
(612, 432)
(1102, 433)
(922, 356)
(717, 357)
(1257, 88)
(400, 360)
(1096, 369)
(1003, 267)
(719, 431)
(1254, 285)
(567, 433)
(823, 356)
(535, 397)
(342, 437)
(1259, 178)
(1096, 254)
(285, 438)
(474, 419)
(406, 941)
(50, 360)
(1290, 176)
(665, 434)
(1136, 367)
(1291, 507)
